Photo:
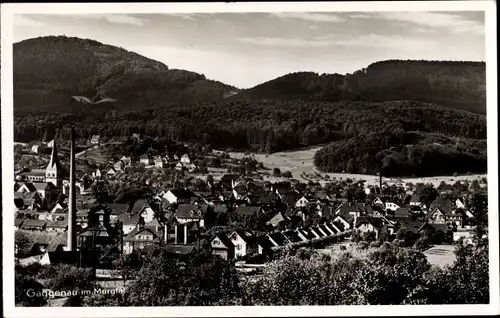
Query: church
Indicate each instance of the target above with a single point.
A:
(54, 172)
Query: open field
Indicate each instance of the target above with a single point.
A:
(441, 255)
(301, 164)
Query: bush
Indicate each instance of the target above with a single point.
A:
(26, 291)
(375, 244)
(363, 245)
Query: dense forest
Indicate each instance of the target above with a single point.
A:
(49, 70)
(460, 85)
(399, 115)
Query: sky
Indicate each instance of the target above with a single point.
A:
(246, 49)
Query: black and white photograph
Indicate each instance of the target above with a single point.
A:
(196, 159)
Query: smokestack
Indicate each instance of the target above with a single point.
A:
(185, 233)
(166, 233)
(380, 180)
(72, 199)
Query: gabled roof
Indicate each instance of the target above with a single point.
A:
(326, 229)
(182, 193)
(339, 225)
(224, 239)
(402, 212)
(220, 208)
(34, 223)
(246, 235)
(30, 186)
(279, 238)
(191, 211)
(292, 236)
(317, 230)
(264, 242)
(347, 207)
(277, 219)
(443, 203)
(57, 224)
(118, 209)
(98, 231)
(331, 227)
(131, 237)
(139, 205)
(128, 219)
(307, 233)
(247, 210)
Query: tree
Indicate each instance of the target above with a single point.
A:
(276, 172)
(428, 194)
(128, 265)
(28, 292)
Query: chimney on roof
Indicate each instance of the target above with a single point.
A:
(71, 242)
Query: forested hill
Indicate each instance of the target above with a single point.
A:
(49, 71)
(459, 85)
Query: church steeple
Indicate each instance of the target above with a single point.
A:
(54, 158)
(54, 172)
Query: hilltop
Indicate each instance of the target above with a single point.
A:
(49, 71)
(459, 85)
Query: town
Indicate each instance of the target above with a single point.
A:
(192, 201)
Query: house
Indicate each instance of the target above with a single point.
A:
(18, 223)
(439, 216)
(191, 213)
(57, 226)
(35, 148)
(463, 234)
(59, 208)
(277, 219)
(365, 224)
(190, 167)
(302, 202)
(27, 187)
(126, 160)
(111, 172)
(416, 200)
(34, 225)
(248, 210)
(402, 213)
(341, 221)
(97, 174)
(119, 166)
(96, 237)
(96, 139)
(460, 203)
(444, 204)
(138, 238)
(159, 162)
(130, 222)
(221, 245)
(145, 160)
(264, 245)
(278, 239)
(35, 175)
(245, 242)
(179, 196)
(142, 208)
(391, 206)
(293, 237)
(185, 158)
(117, 209)
(318, 232)
(46, 189)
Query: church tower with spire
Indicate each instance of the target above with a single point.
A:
(54, 172)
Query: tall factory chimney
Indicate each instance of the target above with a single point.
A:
(71, 244)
